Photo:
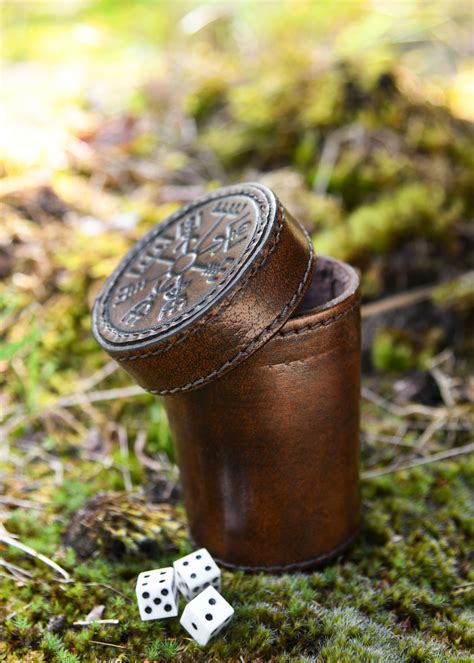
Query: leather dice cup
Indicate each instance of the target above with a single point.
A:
(254, 343)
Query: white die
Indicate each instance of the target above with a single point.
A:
(206, 615)
(195, 572)
(157, 594)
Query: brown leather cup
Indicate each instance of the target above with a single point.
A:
(269, 453)
(204, 289)
(257, 354)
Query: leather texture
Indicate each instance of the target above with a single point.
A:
(204, 289)
(269, 452)
(221, 309)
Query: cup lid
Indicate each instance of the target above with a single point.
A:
(204, 289)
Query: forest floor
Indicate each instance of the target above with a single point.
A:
(117, 113)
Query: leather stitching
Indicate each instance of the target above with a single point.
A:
(248, 348)
(238, 291)
(322, 323)
(298, 565)
(141, 243)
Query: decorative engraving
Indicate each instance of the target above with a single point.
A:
(148, 257)
(186, 262)
(186, 231)
(124, 292)
(214, 270)
(175, 299)
(236, 231)
(228, 207)
(143, 307)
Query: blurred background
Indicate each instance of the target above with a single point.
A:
(358, 113)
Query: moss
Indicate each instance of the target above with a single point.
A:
(119, 525)
(391, 598)
(325, 102)
(396, 350)
(394, 596)
(378, 174)
(412, 209)
(392, 353)
(458, 293)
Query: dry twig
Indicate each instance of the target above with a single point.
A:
(81, 399)
(22, 504)
(397, 410)
(390, 439)
(95, 617)
(88, 622)
(143, 458)
(15, 572)
(396, 467)
(123, 443)
(107, 644)
(98, 376)
(405, 299)
(434, 426)
(6, 538)
(446, 384)
(112, 589)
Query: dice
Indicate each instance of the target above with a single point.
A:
(195, 572)
(206, 615)
(198, 577)
(157, 594)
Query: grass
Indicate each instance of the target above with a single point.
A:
(364, 134)
(402, 592)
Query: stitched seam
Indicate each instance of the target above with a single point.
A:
(219, 309)
(297, 565)
(208, 297)
(248, 348)
(145, 240)
(322, 323)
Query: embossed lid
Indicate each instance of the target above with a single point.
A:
(204, 289)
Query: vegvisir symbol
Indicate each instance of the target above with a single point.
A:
(229, 207)
(150, 255)
(128, 290)
(175, 269)
(175, 299)
(186, 231)
(214, 270)
(163, 284)
(142, 308)
(172, 288)
(235, 232)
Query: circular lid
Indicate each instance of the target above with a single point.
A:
(204, 289)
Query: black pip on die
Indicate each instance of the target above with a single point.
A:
(206, 615)
(157, 594)
(195, 572)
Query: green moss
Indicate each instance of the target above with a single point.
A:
(371, 170)
(458, 293)
(115, 524)
(395, 350)
(393, 597)
(410, 210)
(392, 352)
